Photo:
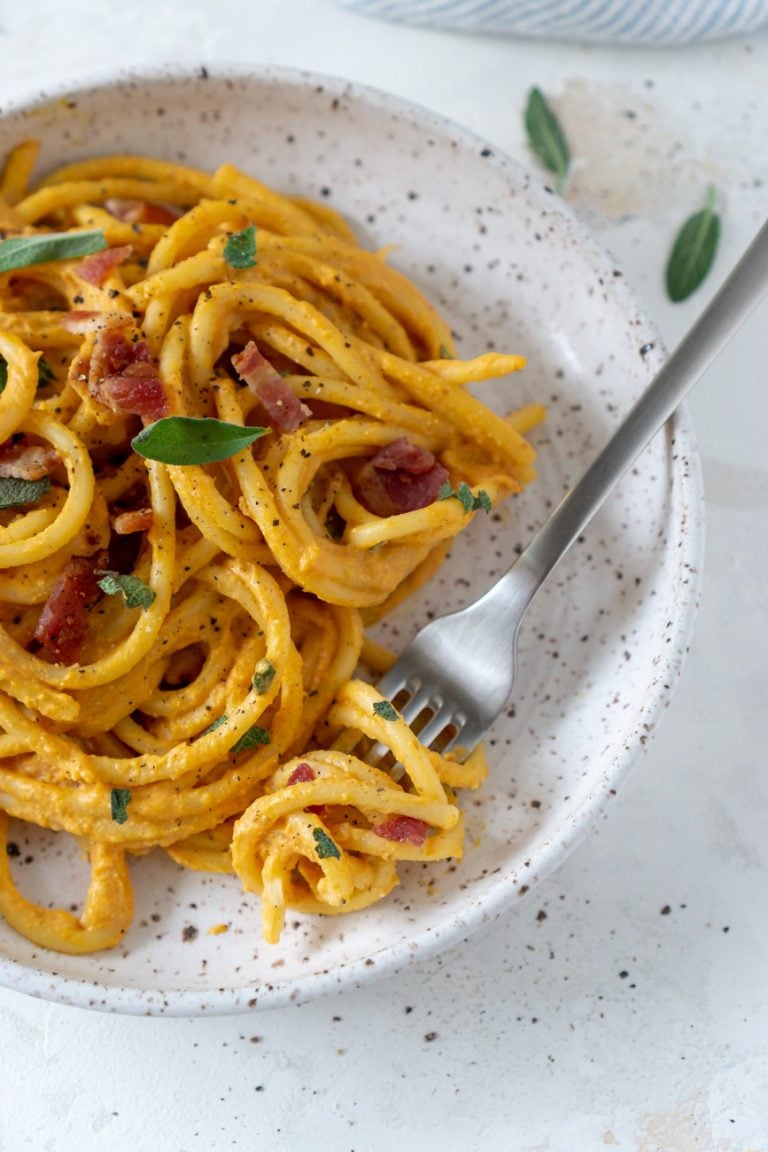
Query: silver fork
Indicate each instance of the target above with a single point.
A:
(460, 669)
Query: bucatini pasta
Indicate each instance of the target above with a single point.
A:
(229, 439)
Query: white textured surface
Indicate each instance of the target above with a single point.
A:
(528, 1037)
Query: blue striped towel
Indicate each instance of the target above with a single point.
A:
(617, 21)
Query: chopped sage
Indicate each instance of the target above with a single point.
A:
(134, 592)
(119, 800)
(263, 676)
(240, 248)
(324, 846)
(384, 709)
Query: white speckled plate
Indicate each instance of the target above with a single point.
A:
(602, 648)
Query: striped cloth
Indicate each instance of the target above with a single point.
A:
(616, 21)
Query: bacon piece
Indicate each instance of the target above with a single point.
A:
(136, 394)
(302, 774)
(63, 622)
(141, 211)
(401, 477)
(138, 521)
(403, 830)
(27, 461)
(326, 410)
(403, 454)
(114, 351)
(81, 322)
(284, 409)
(96, 268)
(253, 367)
(124, 375)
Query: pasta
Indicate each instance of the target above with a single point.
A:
(230, 439)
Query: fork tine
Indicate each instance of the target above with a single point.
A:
(376, 754)
(397, 680)
(420, 698)
(445, 716)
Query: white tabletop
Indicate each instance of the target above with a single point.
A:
(623, 1004)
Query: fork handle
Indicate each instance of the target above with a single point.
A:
(729, 308)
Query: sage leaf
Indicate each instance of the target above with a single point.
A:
(193, 440)
(546, 137)
(134, 592)
(693, 251)
(44, 373)
(119, 799)
(216, 724)
(324, 846)
(254, 738)
(15, 492)
(240, 248)
(263, 676)
(22, 251)
(384, 709)
(465, 497)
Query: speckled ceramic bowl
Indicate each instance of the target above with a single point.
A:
(602, 648)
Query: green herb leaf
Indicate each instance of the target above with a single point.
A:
(263, 676)
(134, 592)
(14, 492)
(546, 137)
(693, 251)
(384, 709)
(465, 497)
(240, 248)
(193, 440)
(216, 724)
(324, 846)
(44, 373)
(119, 800)
(21, 251)
(443, 353)
(254, 738)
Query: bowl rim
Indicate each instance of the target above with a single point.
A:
(124, 998)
